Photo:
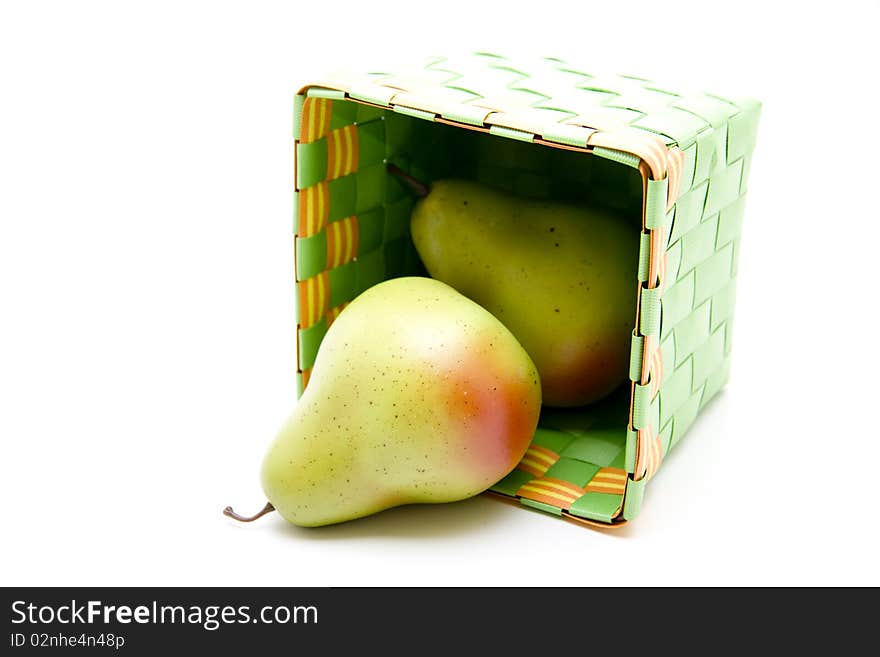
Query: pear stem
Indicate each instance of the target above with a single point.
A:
(415, 185)
(232, 514)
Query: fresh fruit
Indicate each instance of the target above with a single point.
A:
(417, 395)
(562, 278)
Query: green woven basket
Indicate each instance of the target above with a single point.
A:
(674, 164)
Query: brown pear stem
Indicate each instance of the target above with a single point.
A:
(232, 514)
(415, 185)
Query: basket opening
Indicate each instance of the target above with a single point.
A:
(578, 460)
(434, 151)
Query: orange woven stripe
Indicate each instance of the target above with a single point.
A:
(606, 488)
(656, 151)
(649, 464)
(656, 371)
(307, 121)
(674, 169)
(543, 454)
(527, 466)
(323, 295)
(536, 466)
(342, 152)
(333, 313)
(552, 500)
(555, 492)
(306, 374)
(560, 485)
(315, 120)
(304, 209)
(333, 154)
(326, 111)
(352, 149)
(651, 149)
(314, 208)
(611, 473)
(537, 460)
(601, 478)
(323, 194)
(649, 455)
(342, 239)
(601, 481)
(641, 454)
(334, 244)
(314, 297)
(610, 476)
(657, 263)
(608, 480)
(302, 311)
(661, 259)
(647, 352)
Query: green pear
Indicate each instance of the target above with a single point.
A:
(562, 278)
(417, 395)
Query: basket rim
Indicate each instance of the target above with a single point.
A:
(582, 133)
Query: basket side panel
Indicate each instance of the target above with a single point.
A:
(351, 226)
(701, 265)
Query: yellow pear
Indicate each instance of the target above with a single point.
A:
(562, 278)
(417, 395)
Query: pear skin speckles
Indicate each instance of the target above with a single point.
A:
(378, 424)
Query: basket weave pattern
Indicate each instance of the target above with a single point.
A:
(692, 151)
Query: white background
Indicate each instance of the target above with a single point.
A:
(147, 320)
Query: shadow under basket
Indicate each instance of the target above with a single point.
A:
(673, 165)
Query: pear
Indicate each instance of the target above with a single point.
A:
(417, 395)
(562, 278)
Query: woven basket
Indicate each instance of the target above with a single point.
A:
(675, 164)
